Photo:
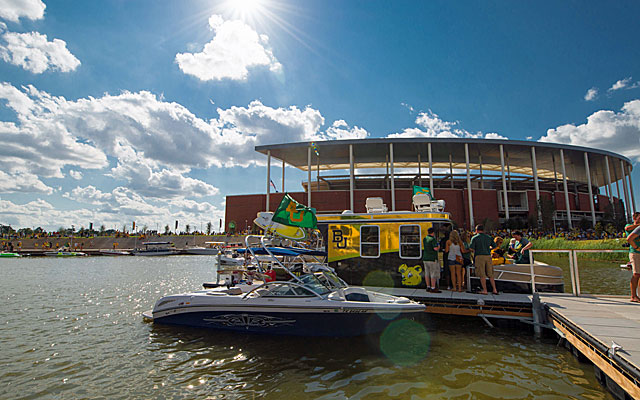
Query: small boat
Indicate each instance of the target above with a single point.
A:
(211, 249)
(156, 249)
(64, 252)
(114, 252)
(7, 254)
(317, 303)
(516, 278)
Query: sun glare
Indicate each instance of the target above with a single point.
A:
(246, 8)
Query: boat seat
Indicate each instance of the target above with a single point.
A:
(424, 202)
(375, 205)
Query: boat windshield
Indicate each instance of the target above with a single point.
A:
(322, 282)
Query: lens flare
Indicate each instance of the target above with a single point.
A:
(405, 342)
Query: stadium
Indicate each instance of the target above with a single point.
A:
(481, 180)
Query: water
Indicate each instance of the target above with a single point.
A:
(596, 276)
(72, 328)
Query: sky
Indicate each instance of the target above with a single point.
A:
(149, 111)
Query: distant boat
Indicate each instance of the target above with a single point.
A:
(212, 249)
(114, 252)
(64, 252)
(156, 249)
(6, 254)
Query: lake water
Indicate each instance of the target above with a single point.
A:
(72, 328)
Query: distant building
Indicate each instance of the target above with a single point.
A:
(479, 179)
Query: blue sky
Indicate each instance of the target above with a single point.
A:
(147, 111)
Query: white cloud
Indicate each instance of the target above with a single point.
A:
(591, 94)
(625, 83)
(433, 126)
(340, 130)
(154, 144)
(621, 84)
(123, 203)
(13, 10)
(33, 52)
(618, 132)
(77, 175)
(89, 194)
(22, 182)
(234, 49)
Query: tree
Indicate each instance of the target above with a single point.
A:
(102, 229)
(546, 209)
(187, 228)
(209, 228)
(167, 230)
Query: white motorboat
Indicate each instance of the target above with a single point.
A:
(114, 252)
(210, 249)
(156, 249)
(64, 252)
(313, 304)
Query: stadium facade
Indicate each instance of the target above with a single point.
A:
(479, 179)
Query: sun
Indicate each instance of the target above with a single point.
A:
(246, 8)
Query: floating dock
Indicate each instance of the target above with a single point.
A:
(606, 330)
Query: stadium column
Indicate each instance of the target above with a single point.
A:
(268, 178)
(504, 184)
(393, 179)
(534, 168)
(351, 177)
(566, 190)
(466, 159)
(608, 172)
(451, 170)
(309, 176)
(419, 171)
(633, 200)
(593, 207)
(430, 170)
(626, 190)
(282, 176)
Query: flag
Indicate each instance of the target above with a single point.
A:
(292, 213)
(273, 185)
(421, 190)
(314, 147)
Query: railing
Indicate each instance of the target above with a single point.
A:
(573, 266)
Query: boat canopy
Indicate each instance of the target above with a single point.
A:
(285, 251)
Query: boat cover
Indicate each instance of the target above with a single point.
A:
(285, 251)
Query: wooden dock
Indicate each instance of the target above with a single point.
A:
(592, 324)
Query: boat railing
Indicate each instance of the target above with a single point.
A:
(573, 265)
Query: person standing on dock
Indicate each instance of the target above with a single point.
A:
(634, 257)
(481, 244)
(430, 260)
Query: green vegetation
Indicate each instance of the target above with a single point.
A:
(605, 244)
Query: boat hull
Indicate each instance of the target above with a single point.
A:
(324, 322)
(155, 253)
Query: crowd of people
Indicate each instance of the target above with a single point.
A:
(573, 234)
(462, 249)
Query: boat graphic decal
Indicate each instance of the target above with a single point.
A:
(247, 320)
(411, 275)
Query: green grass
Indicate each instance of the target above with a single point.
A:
(606, 244)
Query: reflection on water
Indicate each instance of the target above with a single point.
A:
(72, 328)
